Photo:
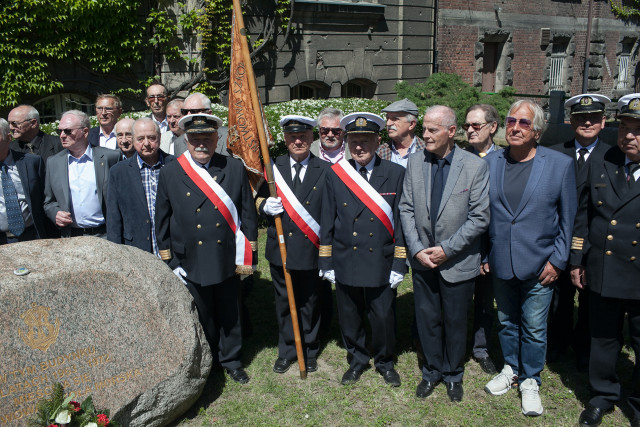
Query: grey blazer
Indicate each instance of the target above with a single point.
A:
(56, 190)
(462, 218)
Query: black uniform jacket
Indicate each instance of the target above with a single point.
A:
(596, 156)
(609, 240)
(193, 230)
(301, 253)
(362, 252)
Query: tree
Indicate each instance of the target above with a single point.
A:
(626, 9)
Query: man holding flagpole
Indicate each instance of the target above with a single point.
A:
(362, 247)
(206, 226)
(300, 180)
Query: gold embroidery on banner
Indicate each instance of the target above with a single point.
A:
(41, 333)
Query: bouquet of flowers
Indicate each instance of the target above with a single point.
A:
(58, 411)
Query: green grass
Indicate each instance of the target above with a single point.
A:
(274, 400)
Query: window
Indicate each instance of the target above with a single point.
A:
(624, 68)
(52, 107)
(557, 66)
(310, 90)
(358, 88)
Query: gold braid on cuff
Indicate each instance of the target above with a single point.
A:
(259, 201)
(400, 252)
(325, 251)
(165, 254)
(577, 243)
(254, 245)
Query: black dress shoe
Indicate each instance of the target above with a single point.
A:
(312, 365)
(592, 416)
(487, 365)
(425, 388)
(238, 375)
(350, 377)
(282, 365)
(454, 390)
(391, 377)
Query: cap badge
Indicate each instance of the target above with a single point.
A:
(586, 100)
(198, 121)
(635, 104)
(361, 122)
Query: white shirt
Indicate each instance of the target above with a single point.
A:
(108, 141)
(590, 148)
(303, 170)
(636, 174)
(368, 167)
(12, 171)
(83, 191)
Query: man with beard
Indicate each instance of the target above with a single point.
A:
(330, 146)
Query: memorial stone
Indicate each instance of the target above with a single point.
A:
(103, 319)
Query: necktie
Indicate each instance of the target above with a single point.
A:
(14, 213)
(297, 182)
(30, 147)
(436, 191)
(582, 159)
(363, 172)
(632, 168)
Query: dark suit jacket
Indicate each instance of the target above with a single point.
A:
(539, 229)
(128, 220)
(362, 249)
(301, 253)
(32, 173)
(57, 180)
(94, 136)
(189, 225)
(45, 145)
(596, 156)
(610, 251)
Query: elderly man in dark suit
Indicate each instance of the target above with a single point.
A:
(207, 230)
(131, 198)
(76, 180)
(108, 111)
(362, 247)
(533, 205)
(24, 122)
(444, 211)
(605, 258)
(22, 193)
(587, 120)
(300, 180)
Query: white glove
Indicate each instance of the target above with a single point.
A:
(395, 279)
(273, 206)
(180, 273)
(329, 275)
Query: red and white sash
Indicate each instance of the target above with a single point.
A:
(365, 192)
(223, 202)
(298, 214)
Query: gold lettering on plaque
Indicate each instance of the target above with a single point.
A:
(40, 332)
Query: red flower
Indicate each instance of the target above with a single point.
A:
(75, 406)
(103, 420)
(53, 425)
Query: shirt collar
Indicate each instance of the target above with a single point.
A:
(412, 147)
(142, 163)
(111, 135)
(88, 153)
(590, 147)
(368, 166)
(304, 162)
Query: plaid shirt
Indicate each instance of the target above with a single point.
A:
(385, 151)
(149, 176)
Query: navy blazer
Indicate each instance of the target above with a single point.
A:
(94, 136)
(540, 228)
(128, 220)
(46, 145)
(31, 170)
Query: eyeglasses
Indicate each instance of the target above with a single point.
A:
(187, 111)
(335, 131)
(16, 124)
(524, 123)
(475, 126)
(68, 131)
(156, 97)
(105, 109)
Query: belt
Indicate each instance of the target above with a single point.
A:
(88, 231)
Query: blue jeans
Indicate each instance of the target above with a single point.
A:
(523, 306)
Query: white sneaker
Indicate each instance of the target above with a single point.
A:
(501, 383)
(531, 404)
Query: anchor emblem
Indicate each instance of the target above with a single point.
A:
(40, 332)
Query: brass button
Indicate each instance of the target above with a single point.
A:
(188, 194)
(306, 237)
(219, 242)
(355, 248)
(199, 226)
(217, 225)
(147, 237)
(609, 237)
(370, 234)
(344, 204)
(314, 188)
(199, 242)
(608, 252)
(215, 207)
(599, 203)
(198, 210)
(371, 219)
(355, 219)
(355, 234)
(147, 221)
(635, 242)
(370, 249)
(614, 222)
(632, 258)
(290, 234)
(307, 203)
(638, 225)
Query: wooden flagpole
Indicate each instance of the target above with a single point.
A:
(264, 148)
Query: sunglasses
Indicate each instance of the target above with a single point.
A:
(335, 131)
(524, 123)
(475, 126)
(68, 131)
(186, 112)
(156, 97)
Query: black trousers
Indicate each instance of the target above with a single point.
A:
(442, 310)
(606, 316)
(483, 314)
(305, 290)
(562, 331)
(379, 304)
(219, 311)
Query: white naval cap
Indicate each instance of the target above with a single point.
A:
(629, 106)
(200, 123)
(362, 123)
(296, 123)
(587, 103)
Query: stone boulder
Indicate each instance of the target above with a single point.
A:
(103, 319)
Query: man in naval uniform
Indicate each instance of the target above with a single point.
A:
(362, 246)
(206, 226)
(605, 258)
(300, 179)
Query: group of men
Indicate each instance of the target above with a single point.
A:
(473, 224)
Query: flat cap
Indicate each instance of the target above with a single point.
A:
(296, 123)
(200, 123)
(629, 106)
(362, 123)
(402, 106)
(587, 103)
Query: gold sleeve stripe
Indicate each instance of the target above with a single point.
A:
(577, 243)
(400, 252)
(325, 250)
(254, 245)
(259, 201)
(165, 254)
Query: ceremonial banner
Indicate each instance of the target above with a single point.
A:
(243, 141)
